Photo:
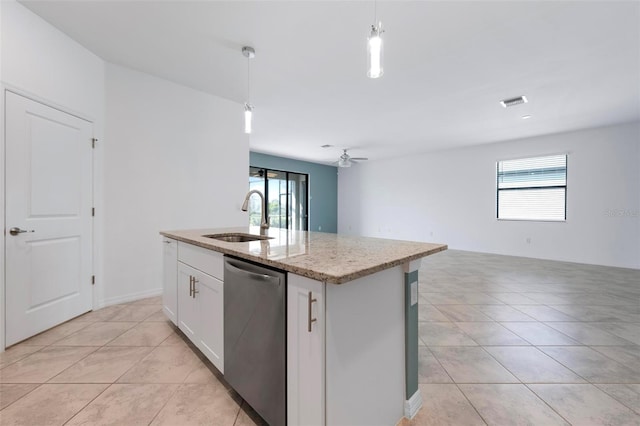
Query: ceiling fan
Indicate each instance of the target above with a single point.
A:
(346, 160)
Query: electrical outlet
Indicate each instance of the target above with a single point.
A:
(528, 240)
(414, 293)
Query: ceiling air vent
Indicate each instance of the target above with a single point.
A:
(514, 101)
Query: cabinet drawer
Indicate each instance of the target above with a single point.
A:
(207, 261)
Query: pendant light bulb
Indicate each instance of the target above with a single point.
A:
(374, 49)
(344, 163)
(248, 113)
(249, 53)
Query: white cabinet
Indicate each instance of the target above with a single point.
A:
(187, 304)
(332, 349)
(201, 301)
(209, 291)
(330, 360)
(305, 351)
(170, 279)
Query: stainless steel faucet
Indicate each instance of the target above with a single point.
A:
(245, 206)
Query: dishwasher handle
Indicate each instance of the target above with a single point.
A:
(251, 275)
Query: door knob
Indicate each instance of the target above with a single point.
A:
(16, 231)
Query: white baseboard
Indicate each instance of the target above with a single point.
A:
(413, 405)
(129, 297)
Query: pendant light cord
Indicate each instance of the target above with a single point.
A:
(249, 80)
(375, 12)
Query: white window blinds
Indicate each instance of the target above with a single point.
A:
(532, 188)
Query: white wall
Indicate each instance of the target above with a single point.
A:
(175, 158)
(171, 158)
(39, 61)
(450, 197)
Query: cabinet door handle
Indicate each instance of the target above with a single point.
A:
(310, 300)
(194, 287)
(190, 286)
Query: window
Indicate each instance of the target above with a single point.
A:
(287, 198)
(533, 188)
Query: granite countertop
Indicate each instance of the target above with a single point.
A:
(334, 258)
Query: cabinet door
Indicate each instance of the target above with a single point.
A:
(211, 305)
(188, 320)
(170, 279)
(305, 351)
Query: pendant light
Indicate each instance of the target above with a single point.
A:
(249, 53)
(374, 47)
(248, 116)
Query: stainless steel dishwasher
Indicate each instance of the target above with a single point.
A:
(255, 337)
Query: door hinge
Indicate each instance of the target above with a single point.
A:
(93, 211)
(93, 280)
(94, 141)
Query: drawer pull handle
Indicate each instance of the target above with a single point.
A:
(310, 300)
(190, 286)
(194, 287)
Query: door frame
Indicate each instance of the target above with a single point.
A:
(96, 184)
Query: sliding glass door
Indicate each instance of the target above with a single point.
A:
(287, 198)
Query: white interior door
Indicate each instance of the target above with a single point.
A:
(48, 195)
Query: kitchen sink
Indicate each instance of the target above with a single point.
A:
(237, 238)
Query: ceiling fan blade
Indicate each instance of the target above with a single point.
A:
(359, 158)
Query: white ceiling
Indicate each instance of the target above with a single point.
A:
(447, 64)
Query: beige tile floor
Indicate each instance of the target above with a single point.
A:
(514, 341)
(121, 365)
(503, 341)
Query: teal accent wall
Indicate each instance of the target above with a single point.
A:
(323, 187)
(411, 336)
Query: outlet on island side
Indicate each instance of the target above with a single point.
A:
(528, 240)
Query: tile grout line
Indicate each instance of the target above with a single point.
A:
(573, 371)
(23, 357)
(48, 381)
(501, 365)
(109, 385)
(65, 369)
(118, 378)
(527, 384)
(629, 343)
(138, 361)
(621, 402)
(238, 414)
(39, 385)
(92, 352)
(471, 403)
(440, 364)
(547, 404)
(178, 387)
(87, 404)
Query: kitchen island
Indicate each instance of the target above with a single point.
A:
(351, 316)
